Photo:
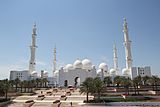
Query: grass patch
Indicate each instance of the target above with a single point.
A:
(130, 99)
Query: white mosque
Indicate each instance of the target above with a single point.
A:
(74, 74)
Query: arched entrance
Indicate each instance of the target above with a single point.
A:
(77, 82)
(66, 83)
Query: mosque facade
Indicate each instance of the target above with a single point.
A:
(74, 74)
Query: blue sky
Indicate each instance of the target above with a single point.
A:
(80, 29)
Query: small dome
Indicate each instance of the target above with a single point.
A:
(69, 66)
(78, 64)
(126, 71)
(45, 72)
(93, 67)
(56, 72)
(87, 64)
(99, 72)
(34, 72)
(103, 66)
(112, 71)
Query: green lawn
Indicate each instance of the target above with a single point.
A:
(120, 100)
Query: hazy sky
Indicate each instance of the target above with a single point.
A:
(80, 29)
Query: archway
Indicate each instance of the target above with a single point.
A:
(66, 83)
(77, 82)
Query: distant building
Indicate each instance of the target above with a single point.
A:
(141, 71)
(22, 75)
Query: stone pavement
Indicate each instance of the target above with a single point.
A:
(48, 100)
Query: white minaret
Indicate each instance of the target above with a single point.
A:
(33, 47)
(115, 58)
(127, 45)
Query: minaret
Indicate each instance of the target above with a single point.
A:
(55, 60)
(127, 45)
(33, 47)
(115, 58)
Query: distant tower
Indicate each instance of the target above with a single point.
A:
(115, 58)
(33, 47)
(127, 45)
(55, 60)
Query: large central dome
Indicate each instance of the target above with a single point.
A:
(78, 64)
(87, 64)
(103, 66)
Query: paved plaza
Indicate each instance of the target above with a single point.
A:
(76, 98)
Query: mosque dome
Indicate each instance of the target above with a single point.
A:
(112, 71)
(125, 71)
(45, 73)
(99, 72)
(103, 66)
(78, 64)
(57, 71)
(69, 66)
(93, 67)
(87, 64)
(34, 72)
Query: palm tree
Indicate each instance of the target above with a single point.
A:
(17, 81)
(12, 83)
(98, 86)
(117, 81)
(21, 85)
(137, 81)
(45, 81)
(107, 80)
(126, 82)
(154, 81)
(25, 85)
(37, 82)
(33, 84)
(145, 79)
(6, 88)
(87, 87)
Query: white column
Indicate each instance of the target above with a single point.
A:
(33, 47)
(115, 58)
(127, 45)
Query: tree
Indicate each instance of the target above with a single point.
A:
(21, 85)
(137, 81)
(154, 81)
(37, 82)
(4, 87)
(12, 83)
(107, 80)
(17, 81)
(33, 84)
(2, 93)
(117, 81)
(25, 85)
(44, 81)
(145, 79)
(87, 87)
(98, 86)
(126, 83)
